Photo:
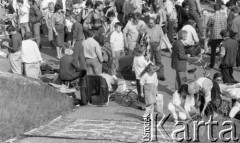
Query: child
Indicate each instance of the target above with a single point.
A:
(149, 84)
(117, 45)
(139, 64)
(177, 106)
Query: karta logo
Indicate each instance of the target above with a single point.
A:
(183, 133)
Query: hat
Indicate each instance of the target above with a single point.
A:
(193, 88)
(68, 52)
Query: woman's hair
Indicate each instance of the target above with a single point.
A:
(107, 2)
(10, 28)
(57, 8)
(136, 17)
(183, 89)
(89, 3)
(111, 14)
(217, 75)
(97, 4)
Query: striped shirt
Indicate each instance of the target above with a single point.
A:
(95, 20)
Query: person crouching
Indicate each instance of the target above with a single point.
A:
(69, 69)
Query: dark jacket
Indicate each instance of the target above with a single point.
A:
(179, 57)
(68, 66)
(231, 48)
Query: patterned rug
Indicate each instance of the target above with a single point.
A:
(111, 130)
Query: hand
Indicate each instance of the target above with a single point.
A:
(188, 55)
(56, 33)
(5, 43)
(142, 95)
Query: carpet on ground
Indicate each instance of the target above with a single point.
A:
(111, 130)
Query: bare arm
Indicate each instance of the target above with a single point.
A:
(199, 7)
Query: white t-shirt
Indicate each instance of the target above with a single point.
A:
(139, 64)
(149, 79)
(192, 36)
(25, 17)
(112, 28)
(117, 41)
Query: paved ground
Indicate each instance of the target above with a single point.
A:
(114, 112)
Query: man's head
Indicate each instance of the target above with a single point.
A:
(90, 33)
(192, 23)
(27, 35)
(224, 33)
(152, 22)
(111, 15)
(31, 2)
(107, 2)
(99, 5)
(118, 26)
(11, 29)
(235, 10)
(217, 7)
(182, 35)
(51, 6)
(20, 2)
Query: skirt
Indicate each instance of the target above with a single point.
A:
(150, 93)
(59, 40)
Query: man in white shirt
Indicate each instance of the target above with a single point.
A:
(192, 37)
(31, 57)
(23, 11)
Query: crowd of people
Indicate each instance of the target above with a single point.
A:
(79, 29)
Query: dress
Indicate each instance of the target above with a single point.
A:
(58, 21)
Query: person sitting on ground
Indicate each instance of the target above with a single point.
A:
(179, 105)
(31, 57)
(149, 84)
(69, 69)
(192, 36)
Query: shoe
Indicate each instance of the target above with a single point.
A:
(162, 78)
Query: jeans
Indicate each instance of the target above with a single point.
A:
(197, 18)
(156, 57)
(93, 66)
(35, 28)
(214, 45)
(24, 28)
(115, 63)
